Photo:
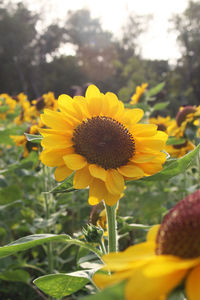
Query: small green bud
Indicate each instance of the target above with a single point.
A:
(93, 233)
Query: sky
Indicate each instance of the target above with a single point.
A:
(156, 43)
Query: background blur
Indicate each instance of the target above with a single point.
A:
(61, 46)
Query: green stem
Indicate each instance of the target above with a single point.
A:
(47, 211)
(102, 246)
(112, 228)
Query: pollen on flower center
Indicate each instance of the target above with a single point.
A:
(104, 141)
(179, 231)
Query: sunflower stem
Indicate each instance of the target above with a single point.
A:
(112, 228)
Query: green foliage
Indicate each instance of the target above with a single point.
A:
(155, 90)
(176, 167)
(60, 285)
(33, 138)
(115, 292)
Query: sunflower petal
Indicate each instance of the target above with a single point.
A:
(114, 182)
(56, 141)
(192, 284)
(61, 173)
(152, 233)
(141, 287)
(92, 92)
(75, 161)
(98, 172)
(130, 170)
(54, 157)
(96, 192)
(82, 178)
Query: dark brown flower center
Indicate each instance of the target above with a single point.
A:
(162, 127)
(104, 141)
(182, 115)
(179, 233)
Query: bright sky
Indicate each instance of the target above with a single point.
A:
(157, 43)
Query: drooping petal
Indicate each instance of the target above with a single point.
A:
(114, 182)
(150, 168)
(62, 172)
(97, 172)
(96, 192)
(142, 157)
(192, 284)
(75, 161)
(130, 170)
(111, 199)
(82, 178)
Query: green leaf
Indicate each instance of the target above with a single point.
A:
(160, 106)
(65, 187)
(114, 292)
(155, 90)
(176, 167)
(4, 108)
(177, 295)
(15, 203)
(34, 138)
(15, 275)
(60, 285)
(30, 241)
(174, 141)
(10, 193)
(26, 163)
(6, 133)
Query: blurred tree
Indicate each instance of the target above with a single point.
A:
(187, 27)
(95, 47)
(23, 49)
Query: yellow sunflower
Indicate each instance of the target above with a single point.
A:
(98, 139)
(180, 149)
(139, 92)
(185, 116)
(162, 122)
(170, 255)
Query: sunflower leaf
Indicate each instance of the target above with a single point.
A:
(174, 141)
(30, 241)
(176, 167)
(160, 106)
(64, 187)
(34, 138)
(60, 285)
(155, 90)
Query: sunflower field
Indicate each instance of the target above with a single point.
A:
(99, 198)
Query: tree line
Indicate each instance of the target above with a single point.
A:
(30, 59)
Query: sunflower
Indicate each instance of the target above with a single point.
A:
(139, 92)
(99, 140)
(170, 255)
(162, 122)
(8, 101)
(180, 149)
(185, 116)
